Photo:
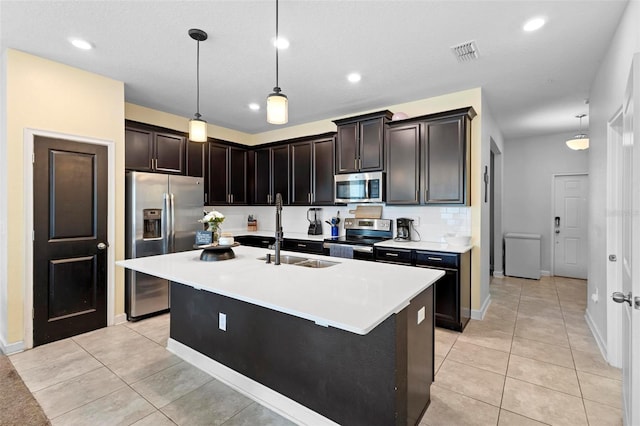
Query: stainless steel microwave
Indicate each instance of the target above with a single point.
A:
(359, 188)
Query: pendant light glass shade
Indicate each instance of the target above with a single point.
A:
(197, 130)
(277, 107)
(197, 126)
(581, 140)
(277, 103)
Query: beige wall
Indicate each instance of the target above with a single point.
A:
(49, 96)
(472, 97)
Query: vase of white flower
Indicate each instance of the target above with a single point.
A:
(212, 221)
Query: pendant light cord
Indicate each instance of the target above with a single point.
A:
(277, 45)
(198, 81)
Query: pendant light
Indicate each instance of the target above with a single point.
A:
(197, 127)
(277, 103)
(581, 140)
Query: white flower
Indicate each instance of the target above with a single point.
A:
(212, 216)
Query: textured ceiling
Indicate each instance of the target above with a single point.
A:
(534, 83)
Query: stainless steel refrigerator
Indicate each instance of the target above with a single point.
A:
(162, 213)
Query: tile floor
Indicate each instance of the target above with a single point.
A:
(123, 375)
(531, 361)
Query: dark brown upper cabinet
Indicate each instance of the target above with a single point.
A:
(446, 158)
(360, 142)
(153, 151)
(271, 174)
(196, 158)
(312, 172)
(429, 159)
(403, 164)
(226, 175)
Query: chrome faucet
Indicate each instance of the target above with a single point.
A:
(279, 235)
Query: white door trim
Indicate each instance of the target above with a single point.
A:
(613, 347)
(28, 138)
(553, 209)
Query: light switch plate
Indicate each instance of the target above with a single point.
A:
(222, 321)
(421, 314)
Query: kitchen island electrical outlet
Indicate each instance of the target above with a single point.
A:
(421, 315)
(222, 321)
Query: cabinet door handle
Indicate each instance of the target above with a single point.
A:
(301, 245)
(439, 259)
(309, 197)
(391, 254)
(355, 163)
(360, 164)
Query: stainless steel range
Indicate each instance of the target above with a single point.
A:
(360, 236)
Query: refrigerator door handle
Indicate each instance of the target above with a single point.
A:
(166, 221)
(172, 240)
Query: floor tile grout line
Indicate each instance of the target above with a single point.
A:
(513, 335)
(126, 384)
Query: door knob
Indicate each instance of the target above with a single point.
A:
(102, 246)
(620, 297)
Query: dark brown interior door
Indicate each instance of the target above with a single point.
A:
(70, 239)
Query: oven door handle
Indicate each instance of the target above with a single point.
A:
(361, 249)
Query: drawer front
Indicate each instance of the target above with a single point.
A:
(255, 241)
(437, 259)
(303, 246)
(394, 255)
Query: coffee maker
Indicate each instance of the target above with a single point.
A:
(315, 223)
(403, 226)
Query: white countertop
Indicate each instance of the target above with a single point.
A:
(354, 295)
(292, 235)
(411, 245)
(424, 245)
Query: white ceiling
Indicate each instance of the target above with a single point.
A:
(534, 83)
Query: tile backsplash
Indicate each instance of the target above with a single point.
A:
(432, 223)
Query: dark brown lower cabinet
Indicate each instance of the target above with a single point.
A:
(453, 291)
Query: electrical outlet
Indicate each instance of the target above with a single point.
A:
(222, 321)
(421, 315)
(416, 220)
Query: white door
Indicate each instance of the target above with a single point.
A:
(629, 297)
(570, 226)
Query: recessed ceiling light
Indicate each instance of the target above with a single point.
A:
(254, 106)
(354, 77)
(534, 24)
(281, 43)
(81, 44)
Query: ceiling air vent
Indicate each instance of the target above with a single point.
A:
(466, 51)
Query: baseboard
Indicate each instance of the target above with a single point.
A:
(10, 348)
(602, 344)
(479, 314)
(271, 399)
(119, 319)
(545, 273)
(498, 274)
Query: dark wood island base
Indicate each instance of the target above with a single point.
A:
(381, 378)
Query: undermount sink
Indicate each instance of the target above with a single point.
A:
(285, 258)
(301, 261)
(314, 263)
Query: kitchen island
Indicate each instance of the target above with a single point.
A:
(352, 342)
